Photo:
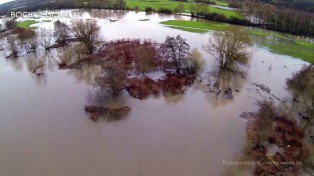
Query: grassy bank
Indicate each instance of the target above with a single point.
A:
(26, 24)
(276, 42)
(222, 3)
(169, 4)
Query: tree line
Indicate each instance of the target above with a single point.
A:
(283, 20)
(305, 5)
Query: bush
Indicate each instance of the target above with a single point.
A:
(215, 17)
(165, 10)
(235, 20)
(195, 62)
(149, 9)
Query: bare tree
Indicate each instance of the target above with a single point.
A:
(229, 47)
(88, 32)
(28, 39)
(46, 38)
(175, 49)
(61, 32)
(10, 24)
(12, 48)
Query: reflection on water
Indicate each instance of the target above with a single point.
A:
(87, 74)
(71, 54)
(172, 98)
(35, 64)
(222, 85)
(16, 63)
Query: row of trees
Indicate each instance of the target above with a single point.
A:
(283, 20)
(305, 5)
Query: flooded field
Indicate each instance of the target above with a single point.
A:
(44, 129)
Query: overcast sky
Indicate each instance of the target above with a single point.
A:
(4, 1)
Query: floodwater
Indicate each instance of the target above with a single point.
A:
(45, 131)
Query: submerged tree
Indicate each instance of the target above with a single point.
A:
(12, 48)
(144, 59)
(46, 38)
(111, 81)
(61, 32)
(175, 49)
(229, 47)
(88, 32)
(28, 39)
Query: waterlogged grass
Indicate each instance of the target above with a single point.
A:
(169, 4)
(283, 44)
(266, 33)
(196, 26)
(276, 42)
(26, 24)
(293, 49)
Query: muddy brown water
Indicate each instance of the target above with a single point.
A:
(45, 131)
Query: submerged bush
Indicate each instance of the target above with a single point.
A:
(268, 128)
(149, 9)
(164, 10)
(10, 24)
(195, 62)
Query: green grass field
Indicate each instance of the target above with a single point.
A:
(26, 24)
(276, 42)
(196, 26)
(169, 4)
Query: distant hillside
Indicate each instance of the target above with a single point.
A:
(30, 5)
